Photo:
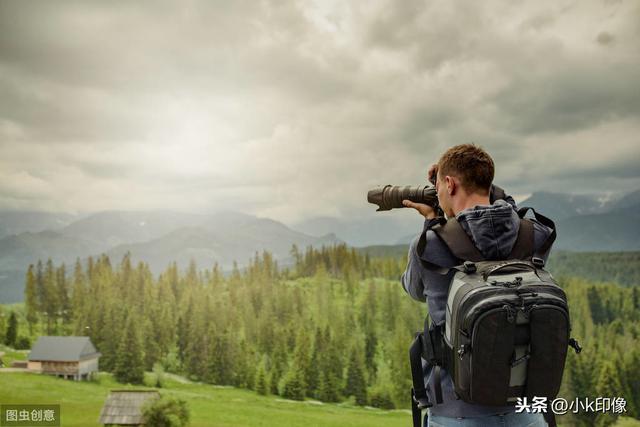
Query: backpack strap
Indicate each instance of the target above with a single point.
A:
(462, 247)
(523, 247)
(422, 246)
(458, 241)
(543, 250)
(419, 398)
(497, 193)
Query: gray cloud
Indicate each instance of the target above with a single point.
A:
(293, 109)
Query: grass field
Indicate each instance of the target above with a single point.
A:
(209, 405)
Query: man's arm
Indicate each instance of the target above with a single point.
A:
(412, 277)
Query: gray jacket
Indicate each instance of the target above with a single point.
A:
(493, 229)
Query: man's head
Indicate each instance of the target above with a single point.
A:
(465, 174)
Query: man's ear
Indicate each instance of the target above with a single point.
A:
(452, 185)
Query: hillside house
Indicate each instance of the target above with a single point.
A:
(124, 407)
(67, 357)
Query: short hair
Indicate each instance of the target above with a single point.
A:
(471, 164)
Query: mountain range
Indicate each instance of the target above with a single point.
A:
(593, 222)
(596, 222)
(157, 238)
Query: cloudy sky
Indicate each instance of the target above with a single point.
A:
(294, 109)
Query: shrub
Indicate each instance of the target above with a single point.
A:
(381, 398)
(166, 412)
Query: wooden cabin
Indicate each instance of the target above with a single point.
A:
(124, 407)
(67, 357)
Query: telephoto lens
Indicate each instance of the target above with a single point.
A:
(391, 196)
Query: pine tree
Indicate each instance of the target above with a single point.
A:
(31, 299)
(293, 387)
(356, 384)
(11, 335)
(221, 361)
(608, 385)
(40, 291)
(129, 364)
(261, 385)
(198, 341)
(328, 387)
(49, 298)
(278, 362)
(315, 364)
(62, 296)
(381, 393)
(302, 359)
(632, 374)
(274, 379)
(79, 299)
(243, 364)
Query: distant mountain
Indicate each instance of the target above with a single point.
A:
(207, 247)
(16, 222)
(585, 222)
(592, 222)
(104, 230)
(17, 252)
(154, 237)
(11, 286)
(380, 229)
(628, 201)
(561, 206)
(393, 251)
(612, 231)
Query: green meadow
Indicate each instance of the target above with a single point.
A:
(209, 405)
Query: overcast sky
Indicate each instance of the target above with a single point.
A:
(295, 109)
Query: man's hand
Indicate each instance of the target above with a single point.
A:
(432, 173)
(424, 210)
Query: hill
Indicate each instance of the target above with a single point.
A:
(16, 222)
(368, 229)
(210, 406)
(613, 231)
(157, 237)
(205, 246)
(561, 206)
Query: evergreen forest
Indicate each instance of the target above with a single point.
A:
(333, 326)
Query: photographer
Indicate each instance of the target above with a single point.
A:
(463, 179)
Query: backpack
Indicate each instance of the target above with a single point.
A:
(507, 324)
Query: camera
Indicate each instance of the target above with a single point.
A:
(391, 196)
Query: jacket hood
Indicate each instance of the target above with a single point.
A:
(493, 228)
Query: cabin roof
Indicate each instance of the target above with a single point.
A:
(62, 349)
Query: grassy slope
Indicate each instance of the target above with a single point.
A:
(10, 355)
(81, 403)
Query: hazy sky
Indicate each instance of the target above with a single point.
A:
(294, 109)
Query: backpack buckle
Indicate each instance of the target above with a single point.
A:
(422, 402)
(462, 350)
(469, 267)
(538, 262)
(574, 343)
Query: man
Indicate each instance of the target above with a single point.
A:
(463, 179)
